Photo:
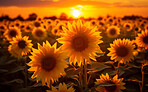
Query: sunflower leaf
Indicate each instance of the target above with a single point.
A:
(72, 71)
(105, 84)
(97, 66)
(19, 81)
(19, 68)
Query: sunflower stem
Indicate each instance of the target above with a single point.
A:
(25, 72)
(142, 87)
(117, 69)
(85, 76)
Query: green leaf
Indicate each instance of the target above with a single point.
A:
(72, 71)
(19, 81)
(19, 68)
(97, 66)
(105, 84)
(3, 71)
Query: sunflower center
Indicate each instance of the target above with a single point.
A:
(111, 88)
(136, 29)
(145, 39)
(60, 27)
(1, 27)
(28, 28)
(55, 31)
(37, 24)
(22, 44)
(127, 26)
(79, 43)
(122, 51)
(39, 33)
(93, 23)
(112, 31)
(13, 33)
(48, 63)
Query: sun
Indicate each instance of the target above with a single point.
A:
(76, 13)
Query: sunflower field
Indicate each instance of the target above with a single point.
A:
(97, 55)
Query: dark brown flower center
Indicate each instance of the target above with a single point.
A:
(37, 24)
(28, 28)
(127, 26)
(122, 51)
(93, 23)
(22, 44)
(111, 88)
(55, 31)
(1, 27)
(112, 31)
(145, 39)
(60, 27)
(13, 33)
(48, 63)
(39, 33)
(17, 24)
(136, 29)
(101, 23)
(79, 43)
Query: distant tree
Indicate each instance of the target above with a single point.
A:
(19, 17)
(52, 18)
(32, 16)
(63, 16)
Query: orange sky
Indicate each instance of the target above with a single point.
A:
(88, 8)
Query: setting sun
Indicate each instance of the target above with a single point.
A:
(76, 13)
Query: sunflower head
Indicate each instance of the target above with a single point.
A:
(142, 39)
(128, 26)
(113, 31)
(48, 62)
(121, 50)
(115, 84)
(62, 88)
(39, 33)
(20, 46)
(80, 42)
(12, 32)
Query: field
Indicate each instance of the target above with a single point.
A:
(107, 54)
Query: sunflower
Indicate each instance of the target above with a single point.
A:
(3, 28)
(48, 62)
(121, 50)
(39, 33)
(80, 42)
(128, 26)
(113, 31)
(55, 31)
(116, 84)
(20, 46)
(62, 88)
(12, 32)
(142, 39)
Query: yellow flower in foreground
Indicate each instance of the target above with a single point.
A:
(113, 31)
(20, 46)
(47, 62)
(80, 42)
(142, 39)
(62, 88)
(117, 84)
(121, 50)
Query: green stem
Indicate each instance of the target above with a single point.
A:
(142, 88)
(85, 75)
(117, 69)
(26, 73)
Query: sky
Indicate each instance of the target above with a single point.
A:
(87, 8)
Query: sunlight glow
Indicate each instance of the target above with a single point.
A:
(76, 13)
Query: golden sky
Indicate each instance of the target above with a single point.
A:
(87, 8)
